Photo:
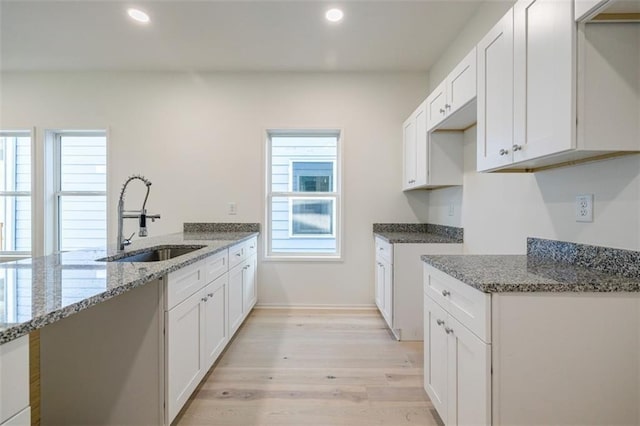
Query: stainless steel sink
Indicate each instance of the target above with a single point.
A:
(152, 254)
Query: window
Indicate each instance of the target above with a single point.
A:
(15, 192)
(80, 189)
(303, 194)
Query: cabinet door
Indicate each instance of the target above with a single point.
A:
(544, 85)
(23, 418)
(409, 140)
(14, 377)
(387, 270)
(236, 284)
(422, 141)
(183, 336)
(379, 285)
(495, 95)
(469, 377)
(435, 356)
(461, 83)
(436, 102)
(249, 285)
(215, 320)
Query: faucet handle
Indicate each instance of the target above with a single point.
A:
(127, 241)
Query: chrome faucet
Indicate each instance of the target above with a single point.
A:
(141, 214)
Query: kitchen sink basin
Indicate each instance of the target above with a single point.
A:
(152, 254)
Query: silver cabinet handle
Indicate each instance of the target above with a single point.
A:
(442, 111)
(448, 330)
(446, 293)
(210, 295)
(238, 254)
(504, 151)
(447, 106)
(439, 322)
(516, 148)
(204, 299)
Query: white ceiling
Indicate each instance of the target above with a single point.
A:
(228, 35)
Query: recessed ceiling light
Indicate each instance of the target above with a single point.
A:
(334, 15)
(138, 15)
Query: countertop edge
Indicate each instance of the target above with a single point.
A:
(13, 332)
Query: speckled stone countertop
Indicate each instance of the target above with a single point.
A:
(50, 288)
(418, 233)
(549, 266)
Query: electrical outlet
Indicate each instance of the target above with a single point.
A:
(232, 208)
(584, 208)
(451, 209)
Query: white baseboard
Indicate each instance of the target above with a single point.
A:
(317, 307)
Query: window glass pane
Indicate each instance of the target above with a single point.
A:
(15, 221)
(291, 155)
(83, 222)
(83, 163)
(311, 217)
(312, 176)
(15, 163)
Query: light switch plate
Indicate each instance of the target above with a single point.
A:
(232, 208)
(584, 208)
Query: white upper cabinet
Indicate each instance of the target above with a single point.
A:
(552, 92)
(495, 95)
(450, 106)
(431, 159)
(543, 76)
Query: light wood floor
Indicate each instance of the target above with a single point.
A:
(301, 367)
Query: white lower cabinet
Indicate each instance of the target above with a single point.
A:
(185, 368)
(457, 363)
(14, 382)
(398, 284)
(198, 328)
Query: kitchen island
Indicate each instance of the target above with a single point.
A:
(126, 342)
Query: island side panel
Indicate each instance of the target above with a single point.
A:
(565, 358)
(105, 365)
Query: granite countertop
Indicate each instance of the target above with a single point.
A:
(39, 291)
(549, 266)
(417, 233)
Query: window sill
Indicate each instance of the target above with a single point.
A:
(310, 259)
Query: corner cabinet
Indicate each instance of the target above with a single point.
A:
(14, 383)
(398, 284)
(433, 154)
(431, 159)
(541, 100)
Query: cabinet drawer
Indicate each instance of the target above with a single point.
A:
(216, 265)
(14, 377)
(384, 249)
(469, 306)
(183, 283)
(252, 247)
(237, 254)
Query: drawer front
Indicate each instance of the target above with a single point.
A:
(237, 254)
(183, 283)
(216, 265)
(469, 306)
(384, 250)
(14, 378)
(251, 247)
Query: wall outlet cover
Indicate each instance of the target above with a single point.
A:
(584, 208)
(232, 208)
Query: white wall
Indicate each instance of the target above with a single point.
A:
(199, 138)
(498, 211)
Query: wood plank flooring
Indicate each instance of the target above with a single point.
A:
(313, 368)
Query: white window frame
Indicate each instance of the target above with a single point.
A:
(338, 230)
(11, 254)
(56, 137)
